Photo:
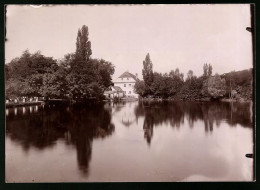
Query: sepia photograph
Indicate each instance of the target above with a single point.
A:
(129, 93)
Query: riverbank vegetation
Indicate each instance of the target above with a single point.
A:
(172, 85)
(77, 76)
(80, 78)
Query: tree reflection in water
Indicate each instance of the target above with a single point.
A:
(173, 113)
(77, 126)
(43, 127)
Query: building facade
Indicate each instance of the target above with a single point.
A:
(126, 82)
(114, 91)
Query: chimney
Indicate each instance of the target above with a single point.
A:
(136, 75)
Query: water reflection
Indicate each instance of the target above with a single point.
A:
(77, 126)
(174, 113)
(144, 138)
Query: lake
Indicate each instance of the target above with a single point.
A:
(130, 141)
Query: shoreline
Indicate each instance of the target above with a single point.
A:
(196, 100)
(19, 104)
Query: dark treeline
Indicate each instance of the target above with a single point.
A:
(77, 76)
(235, 85)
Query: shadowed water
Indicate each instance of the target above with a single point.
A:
(137, 141)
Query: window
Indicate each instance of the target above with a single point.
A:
(129, 84)
(129, 92)
(124, 85)
(127, 79)
(121, 78)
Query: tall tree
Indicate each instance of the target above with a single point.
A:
(147, 72)
(205, 70)
(83, 45)
(210, 70)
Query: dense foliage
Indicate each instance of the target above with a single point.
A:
(172, 85)
(77, 76)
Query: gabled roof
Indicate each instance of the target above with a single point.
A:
(128, 75)
(117, 88)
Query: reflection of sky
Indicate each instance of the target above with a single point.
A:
(175, 154)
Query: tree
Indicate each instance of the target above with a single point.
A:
(189, 75)
(158, 86)
(83, 45)
(27, 73)
(77, 75)
(85, 73)
(174, 82)
(105, 71)
(205, 70)
(54, 84)
(191, 90)
(210, 70)
(139, 88)
(147, 73)
(13, 88)
(18, 67)
(214, 86)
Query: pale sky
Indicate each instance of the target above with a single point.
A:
(183, 36)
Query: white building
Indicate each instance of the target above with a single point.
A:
(126, 82)
(114, 91)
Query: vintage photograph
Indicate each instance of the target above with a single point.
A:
(129, 93)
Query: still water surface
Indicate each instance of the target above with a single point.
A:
(165, 141)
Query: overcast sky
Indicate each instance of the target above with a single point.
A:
(183, 36)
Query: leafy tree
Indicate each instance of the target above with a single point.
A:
(191, 90)
(189, 75)
(214, 86)
(54, 84)
(139, 88)
(76, 75)
(18, 67)
(86, 78)
(28, 71)
(158, 85)
(13, 88)
(147, 73)
(105, 71)
(174, 82)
